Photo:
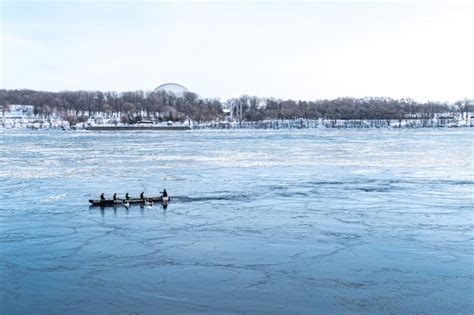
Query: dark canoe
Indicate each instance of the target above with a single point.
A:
(120, 202)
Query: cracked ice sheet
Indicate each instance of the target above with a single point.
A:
(335, 221)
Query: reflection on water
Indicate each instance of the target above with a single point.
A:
(293, 221)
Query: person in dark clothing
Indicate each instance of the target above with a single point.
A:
(142, 196)
(115, 197)
(164, 193)
(127, 197)
(102, 197)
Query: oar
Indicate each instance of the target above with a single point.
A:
(125, 202)
(148, 201)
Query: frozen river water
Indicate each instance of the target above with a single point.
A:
(287, 221)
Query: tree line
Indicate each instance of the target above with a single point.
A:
(348, 108)
(78, 105)
(82, 104)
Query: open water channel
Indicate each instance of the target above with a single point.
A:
(288, 221)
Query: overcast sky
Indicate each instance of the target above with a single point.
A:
(300, 50)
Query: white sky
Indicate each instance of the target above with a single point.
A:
(299, 50)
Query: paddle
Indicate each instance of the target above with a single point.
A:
(125, 202)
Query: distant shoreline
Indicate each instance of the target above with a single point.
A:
(415, 123)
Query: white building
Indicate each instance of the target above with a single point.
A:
(20, 112)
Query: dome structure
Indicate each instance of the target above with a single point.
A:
(175, 88)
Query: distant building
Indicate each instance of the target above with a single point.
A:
(175, 88)
(20, 111)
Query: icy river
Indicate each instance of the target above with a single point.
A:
(278, 222)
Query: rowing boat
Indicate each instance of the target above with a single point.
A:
(120, 202)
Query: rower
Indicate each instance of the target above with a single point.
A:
(164, 193)
(127, 196)
(115, 197)
(102, 197)
(142, 196)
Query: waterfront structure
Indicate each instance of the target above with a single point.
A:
(19, 112)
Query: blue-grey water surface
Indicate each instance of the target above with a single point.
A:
(278, 222)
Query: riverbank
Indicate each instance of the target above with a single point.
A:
(57, 124)
(300, 123)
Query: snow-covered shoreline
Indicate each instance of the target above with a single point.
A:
(35, 124)
(441, 120)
